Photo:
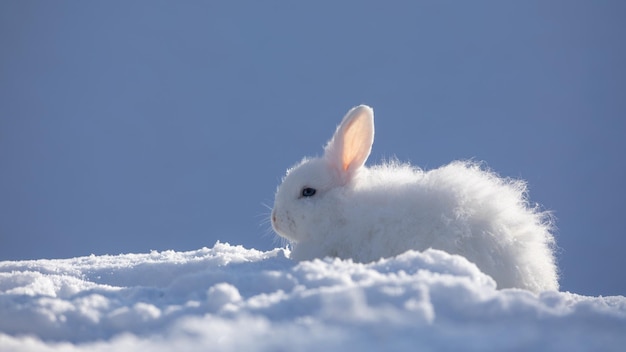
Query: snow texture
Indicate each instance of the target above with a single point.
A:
(229, 298)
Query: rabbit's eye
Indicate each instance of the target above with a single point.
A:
(308, 192)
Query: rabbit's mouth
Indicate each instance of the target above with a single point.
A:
(275, 224)
(283, 225)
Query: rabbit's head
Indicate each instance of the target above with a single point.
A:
(306, 201)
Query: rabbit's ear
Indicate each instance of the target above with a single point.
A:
(349, 148)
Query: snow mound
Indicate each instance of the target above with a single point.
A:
(229, 298)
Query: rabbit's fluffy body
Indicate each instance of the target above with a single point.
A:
(370, 213)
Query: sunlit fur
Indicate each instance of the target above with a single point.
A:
(460, 208)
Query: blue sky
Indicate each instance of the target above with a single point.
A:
(131, 126)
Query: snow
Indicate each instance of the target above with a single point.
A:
(229, 298)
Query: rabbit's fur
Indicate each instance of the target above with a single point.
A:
(335, 206)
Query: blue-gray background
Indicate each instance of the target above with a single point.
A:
(137, 125)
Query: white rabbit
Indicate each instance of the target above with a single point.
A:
(335, 206)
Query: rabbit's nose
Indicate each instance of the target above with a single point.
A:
(275, 221)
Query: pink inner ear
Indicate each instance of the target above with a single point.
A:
(357, 142)
(352, 142)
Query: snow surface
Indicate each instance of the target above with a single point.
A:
(230, 298)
